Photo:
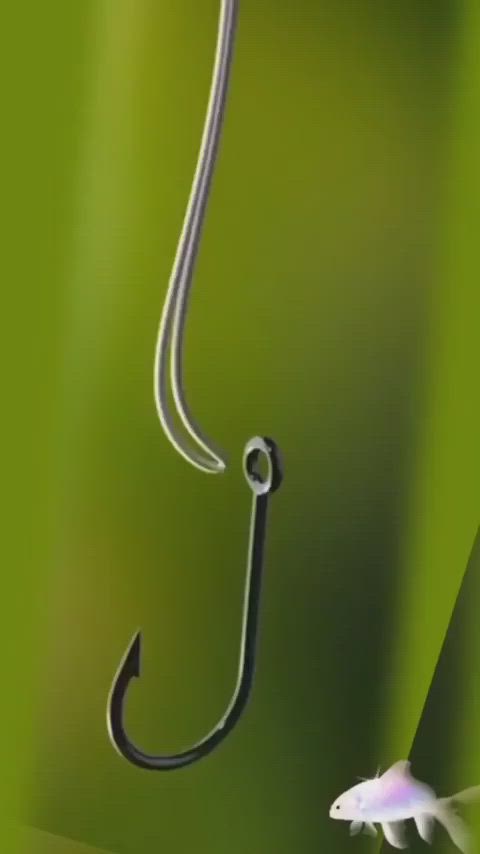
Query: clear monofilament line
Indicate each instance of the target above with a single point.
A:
(169, 347)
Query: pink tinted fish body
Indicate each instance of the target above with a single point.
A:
(395, 796)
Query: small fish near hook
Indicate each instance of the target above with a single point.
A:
(262, 487)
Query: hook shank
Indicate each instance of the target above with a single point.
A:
(130, 665)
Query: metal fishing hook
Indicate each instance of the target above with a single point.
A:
(262, 487)
(172, 323)
(169, 350)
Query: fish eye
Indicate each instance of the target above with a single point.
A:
(337, 807)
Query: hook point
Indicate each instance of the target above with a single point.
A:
(130, 666)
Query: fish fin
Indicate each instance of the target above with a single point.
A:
(453, 824)
(467, 796)
(371, 778)
(400, 768)
(370, 829)
(425, 824)
(355, 827)
(394, 832)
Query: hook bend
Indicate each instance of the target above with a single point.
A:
(262, 485)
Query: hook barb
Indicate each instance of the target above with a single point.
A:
(262, 486)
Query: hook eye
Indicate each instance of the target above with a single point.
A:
(259, 483)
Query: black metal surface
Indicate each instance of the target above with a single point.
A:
(261, 487)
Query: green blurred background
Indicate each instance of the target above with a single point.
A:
(336, 308)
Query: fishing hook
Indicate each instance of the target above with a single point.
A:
(262, 487)
(169, 350)
(172, 323)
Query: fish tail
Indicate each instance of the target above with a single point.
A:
(466, 796)
(453, 824)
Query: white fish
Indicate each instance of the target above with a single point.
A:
(395, 796)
